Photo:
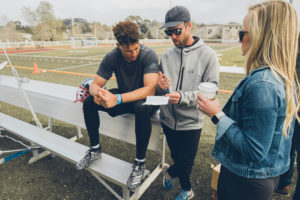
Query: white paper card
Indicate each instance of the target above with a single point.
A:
(156, 100)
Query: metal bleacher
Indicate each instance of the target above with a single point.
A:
(57, 101)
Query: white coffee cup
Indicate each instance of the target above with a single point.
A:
(208, 89)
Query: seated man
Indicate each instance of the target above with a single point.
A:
(136, 69)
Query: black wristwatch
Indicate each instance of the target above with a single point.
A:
(215, 119)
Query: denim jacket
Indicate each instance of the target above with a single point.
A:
(249, 139)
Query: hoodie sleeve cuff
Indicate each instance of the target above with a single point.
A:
(160, 91)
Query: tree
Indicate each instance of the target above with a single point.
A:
(22, 29)
(44, 23)
(137, 19)
(82, 26)
(43, 13)
(10, 33)
(79, 26)
(103, 32)
(148, 29)
(41, 32)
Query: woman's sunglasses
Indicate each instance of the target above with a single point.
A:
(176, 31)
(242, 34)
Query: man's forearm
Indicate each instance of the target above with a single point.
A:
(93, 90)
(138, 94)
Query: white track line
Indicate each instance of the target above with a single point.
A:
(75, 66)
(232, 69)
(220, 50)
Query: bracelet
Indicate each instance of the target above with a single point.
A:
(216, 118)
(119, 99)
(220, 115)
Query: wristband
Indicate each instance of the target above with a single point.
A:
(119, 99)
(216, 118)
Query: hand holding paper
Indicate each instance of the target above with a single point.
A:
(156, 100)
(174, 97)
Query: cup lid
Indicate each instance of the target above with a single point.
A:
(208, 87)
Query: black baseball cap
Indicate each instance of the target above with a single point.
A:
(176, 16)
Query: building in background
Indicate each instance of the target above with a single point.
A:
(212, 31)
(228, 33)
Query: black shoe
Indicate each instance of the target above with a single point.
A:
(136, 176)
(88, 158)
(284, 191)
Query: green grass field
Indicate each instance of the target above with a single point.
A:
(86, 60)
(58, 179)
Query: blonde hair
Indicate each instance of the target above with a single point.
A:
(274, 31)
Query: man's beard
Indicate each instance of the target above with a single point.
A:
(181, 44)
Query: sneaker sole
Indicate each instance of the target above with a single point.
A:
(96, 158)
(282, 194)
(190, 197)
(91, 161)
(145, 175)
(164, 168)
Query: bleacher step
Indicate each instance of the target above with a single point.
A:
(108, 166)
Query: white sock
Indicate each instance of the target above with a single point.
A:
(189, 192)
(140, 161)
(96, 146)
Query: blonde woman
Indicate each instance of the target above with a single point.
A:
(254, 130)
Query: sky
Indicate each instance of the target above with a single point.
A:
(110, 12)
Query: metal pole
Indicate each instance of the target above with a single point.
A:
(19, 83)
(72, 27)
(291, 1)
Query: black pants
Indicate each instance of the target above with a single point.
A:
(183, 146)
(142, 114)
(296, 140)
(234, 187)
(286, 178)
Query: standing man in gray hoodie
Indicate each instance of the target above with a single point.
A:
(183, 67)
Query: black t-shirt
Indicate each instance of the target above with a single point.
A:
(130, 76)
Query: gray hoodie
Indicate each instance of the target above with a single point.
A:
(187, 67)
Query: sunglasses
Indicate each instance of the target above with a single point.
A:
(176, 31)
(242, 34)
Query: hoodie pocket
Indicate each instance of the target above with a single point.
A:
(191, 80)
(186, 115)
